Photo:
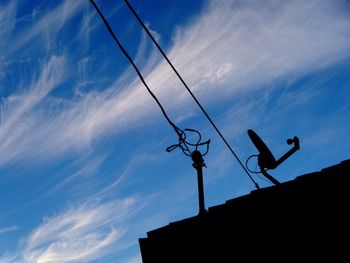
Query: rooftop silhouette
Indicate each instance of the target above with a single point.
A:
(305, 218)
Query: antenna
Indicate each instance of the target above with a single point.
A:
(266, 160)
(197, 158)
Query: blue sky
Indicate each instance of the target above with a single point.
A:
(83, 167)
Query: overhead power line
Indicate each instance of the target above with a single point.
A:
(126, 54)
(192, 95)
(183, 143)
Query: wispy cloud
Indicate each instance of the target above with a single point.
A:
(80, 234)
(8, 229)
(7, 20)
(86, 169)
(7, 25)
(237, 44)
(47, 27)
(18, 114)
(230, 46)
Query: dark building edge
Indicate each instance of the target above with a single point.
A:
(292, 218)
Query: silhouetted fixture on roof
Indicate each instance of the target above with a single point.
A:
(197, 158)
(266, 160)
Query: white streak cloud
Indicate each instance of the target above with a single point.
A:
(8, 229)
(80, 234)
(231, 45)
(242, 44)
(48, 25)
(18, 112)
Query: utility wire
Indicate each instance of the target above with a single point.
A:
(177, 130)
(188, 89)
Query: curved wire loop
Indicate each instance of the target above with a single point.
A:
(254, 172)
(185, 145)
(246, 163)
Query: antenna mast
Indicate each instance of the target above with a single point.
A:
(198, 162)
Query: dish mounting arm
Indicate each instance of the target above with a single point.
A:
(296, 147)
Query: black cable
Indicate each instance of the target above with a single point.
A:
(258, 173)
(188, 89)
(178, 131)
(246, 164)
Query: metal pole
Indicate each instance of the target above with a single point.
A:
(198, 163)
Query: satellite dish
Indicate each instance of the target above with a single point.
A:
(266, 160)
